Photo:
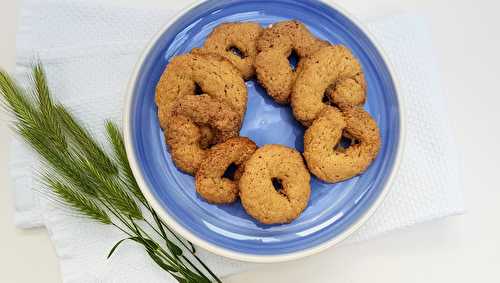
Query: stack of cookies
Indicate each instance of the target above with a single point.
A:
(202, 99)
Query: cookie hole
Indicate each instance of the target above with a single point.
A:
(327, 95)
(326, 99)
(197, 89)
(345, 143)
(236, 51)
(277, 184)
(293, 60)
(230, 171)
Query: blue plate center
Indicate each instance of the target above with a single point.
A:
(268, 117)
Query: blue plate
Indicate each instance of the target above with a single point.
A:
(334, 211)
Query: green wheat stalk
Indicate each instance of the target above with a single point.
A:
(80, 174)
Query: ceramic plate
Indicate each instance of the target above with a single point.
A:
(334, 211)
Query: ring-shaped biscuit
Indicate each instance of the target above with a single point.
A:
(261, 199)
(190, 115)
(210, 183)
(332, 71)
(275, 45)
(207, 73)
(235, 42)
(325, 158)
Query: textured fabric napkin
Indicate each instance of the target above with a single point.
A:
(89, 50)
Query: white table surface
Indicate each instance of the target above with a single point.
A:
(458, 249)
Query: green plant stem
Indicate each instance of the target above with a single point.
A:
(132, 227)
(160, 223)
(121, 229)
(81, 175)
(170, 259)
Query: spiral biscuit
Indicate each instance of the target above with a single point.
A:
(210, 183)
(275, 45)
(275, 163)
(332, 71)
(331, 163)
(235, 42)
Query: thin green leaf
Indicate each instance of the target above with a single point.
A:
(192, 248)
(188, 275)
(115, 246)
(194, 277)
(161, 225)
(179, 279)
(194, 267)
(161, 263)
(149, 244)
(174, 249)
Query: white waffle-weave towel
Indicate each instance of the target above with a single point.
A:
(89, 50)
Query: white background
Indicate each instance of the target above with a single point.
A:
(466, 36)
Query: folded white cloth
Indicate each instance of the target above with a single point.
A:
(89, 50)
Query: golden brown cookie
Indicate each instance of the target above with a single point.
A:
(325, 158)
(332, 71)
(210, 183)
(186, 75)
(235, 42)
(269, 167)
(275, 45)
(210, 73)
(184, 141)
(190, 116)
(208, 137)
(210, 113)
